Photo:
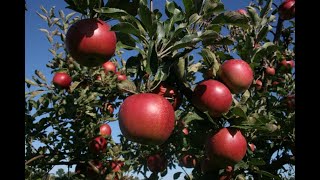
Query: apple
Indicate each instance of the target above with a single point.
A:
(116, 165)
(252, 147)
(270, 71)
(258, 84)
(109, 67)
(167, 91)
(99, 78)
(156, 163)
(121, 77)
(62, 80)
(290, 101)
(105, 130)
(188, 161)
(185, 131)
(90, 42)
(287, 64)
(242, 11)
(227, 146)
(236, 74)
(146, 118)
(287, 9)
(212, 96)
(274, 83)
(98, 145)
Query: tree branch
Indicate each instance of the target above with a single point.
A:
(278, 30)
(34, 158)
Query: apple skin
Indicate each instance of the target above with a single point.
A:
(227, 146)
(98, 145)
(242, 11)
(156, 163)
(258, 84)
(90, 42)
(121, 77)
(270, 71)
(212, 96)
(105, 130)
(252, 147)
(165, 90)
(116, 165)
(236, 74)
(109, 67)
(146, 118)
(287, 64)
(287, 9)
(62, 80)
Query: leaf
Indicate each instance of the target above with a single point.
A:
(189, 8)
(245, 96)
(40, 75)
(192, 117)
(231, 18)
(35, 93)
(74, 85)
(50, 39)
(126, 39)
(266, 9)
(186, 41)
(176, 175)
(61, 13)
(30, 82)
(160, 32)
(127, 28)
(70, 15)
(152, 59)
(257, 161)
(263, 33)
(146, 19)
(43, 9)
(210, 58)
(181, 68)
(263, 51)
(194, 18)
(211, 7)
(194, 67)
(42, 17)
(133, 64)
(255, 19)
(127, 85)
(265, 173)
(238, 111)
(45, 31)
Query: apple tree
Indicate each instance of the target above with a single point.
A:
(204, 88)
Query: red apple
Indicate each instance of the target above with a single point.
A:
(274, 83)
(188, 161)
(287, 64)
(90, 42)
(99, 78)
(236, 74)
(227, 146)
(167, 91)
(252, 147)
(105, 130)
(62, 80)
(156, 163)
(185, 131)
(291, 103)
(98, 145)
(258, 84)
(146, 118)
(270, 71)
(109, 67)
(116, 165)
(121, 77)
(287, 9)
(212, 96)
(242, 11)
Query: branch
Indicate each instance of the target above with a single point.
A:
(278, 30)
(34, 158)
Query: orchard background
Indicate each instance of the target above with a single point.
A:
(165, 48)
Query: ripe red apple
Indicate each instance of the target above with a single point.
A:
(287, 64)
(236, 74)
(185, 131)
(287, 9)
(258, 84)
(99, 78)
(146, 118)
(105, 130)
(212, 96)
(116, 165)
(227, 146)
(167, 91)
(252, 147)
(270, 71)
(121, 77)
(62, 80)
(98, 145)
(90, 42)
(242, 11)
(188, 161)
(274, 83)
(156, 163)
(109, 67)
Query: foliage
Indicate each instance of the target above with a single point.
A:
(65, 121)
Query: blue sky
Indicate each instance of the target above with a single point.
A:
(37, 45)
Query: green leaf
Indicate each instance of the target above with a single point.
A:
(176, 175)
(210, 58)
(133, 64)
(61, 13)
(40, 75)
(120, 45)
(189, 8)
(231, 18)
(181, 68)
(266, 9)
(255, 19)
(127, 28)
(70, 15)
(127, 85)
(238, 111)
(263, 33)
(212, 6)
(43, 9)
(30, 82)
(194, 18)
(245, 96)
(257, 162)
(152, 59)
(43, 17)
(35, 93)
(146, 19)
(263, 51)
(74, 85)
(45, 31)
(126, 39)
(192, 117)
(186, 41)
(160, 32)
(265, 173)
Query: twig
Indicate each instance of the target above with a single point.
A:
(278, 30)
(34, 158)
